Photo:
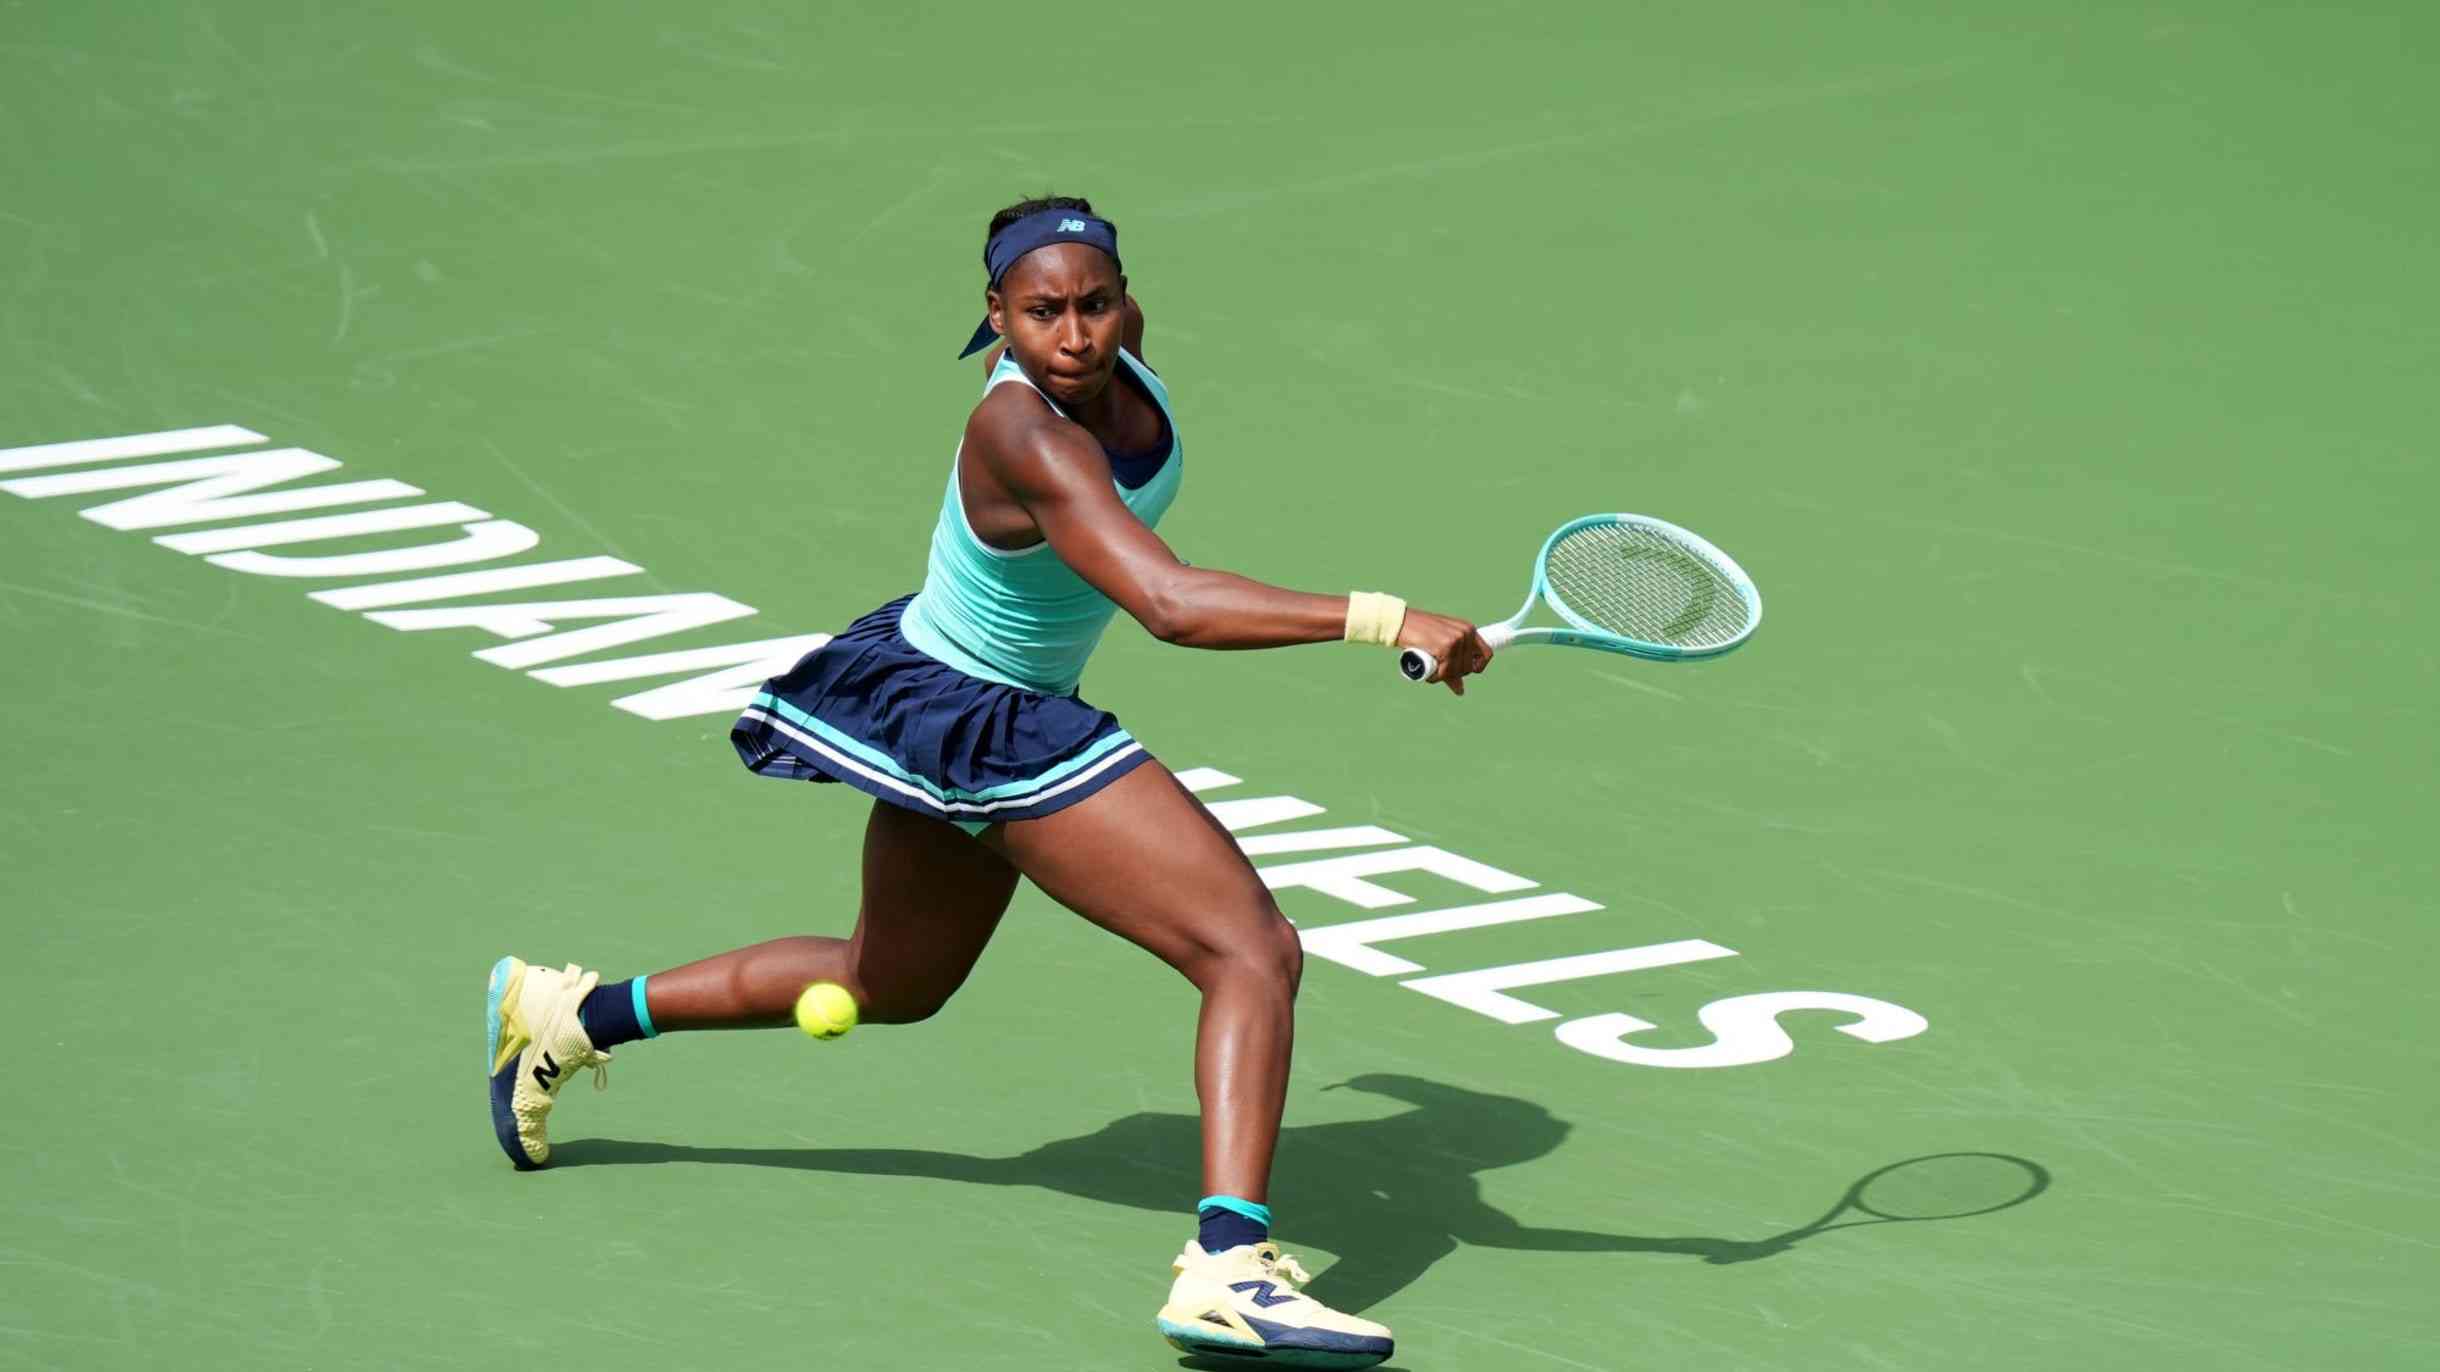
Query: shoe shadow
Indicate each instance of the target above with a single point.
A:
(1400, 1190)
(1198, 1363)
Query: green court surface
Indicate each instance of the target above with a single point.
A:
(2064, 378)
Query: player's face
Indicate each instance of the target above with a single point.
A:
(1061, 310)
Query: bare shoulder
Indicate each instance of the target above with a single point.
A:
(1022, 444)
(1000, 423)
(1131, 322)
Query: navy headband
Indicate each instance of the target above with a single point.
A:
(1039, 230)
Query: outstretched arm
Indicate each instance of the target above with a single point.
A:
(1063, 482)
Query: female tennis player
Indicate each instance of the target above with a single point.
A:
(956, 710)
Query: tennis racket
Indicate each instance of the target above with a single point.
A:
(1627, 584)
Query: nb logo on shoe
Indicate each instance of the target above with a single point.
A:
(546, 1071)
(1071, 226)
(1265, 1294)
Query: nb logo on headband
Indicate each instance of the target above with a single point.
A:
(1071, 226)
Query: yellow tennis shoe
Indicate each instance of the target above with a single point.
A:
(1244, 1303)
(535, 1044)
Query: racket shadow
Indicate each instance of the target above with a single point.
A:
(1394, 1195)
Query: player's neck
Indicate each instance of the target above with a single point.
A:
(1107, 413)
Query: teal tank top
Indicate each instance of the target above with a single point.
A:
(1024, 618)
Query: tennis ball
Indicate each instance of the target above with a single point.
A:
(825, 1010)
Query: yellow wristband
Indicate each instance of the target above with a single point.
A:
(1375, 618)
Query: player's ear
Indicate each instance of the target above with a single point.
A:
(996, 310)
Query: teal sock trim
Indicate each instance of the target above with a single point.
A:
(643, 1016)
(1259, 1214)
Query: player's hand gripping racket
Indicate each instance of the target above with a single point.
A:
(1627, 584)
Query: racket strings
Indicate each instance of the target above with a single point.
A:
(1642, 584)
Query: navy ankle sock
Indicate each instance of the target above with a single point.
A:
(613, 1013)
(1226, 1222)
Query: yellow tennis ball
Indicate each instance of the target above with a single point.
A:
(825, 1010)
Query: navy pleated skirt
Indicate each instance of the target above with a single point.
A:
(870, 710)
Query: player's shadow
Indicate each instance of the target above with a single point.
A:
(1399, 1192)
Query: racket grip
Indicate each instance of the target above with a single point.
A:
(1417, 665)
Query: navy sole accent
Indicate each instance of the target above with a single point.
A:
(1284, 1346)
(1280, 1338)
(504, 1119)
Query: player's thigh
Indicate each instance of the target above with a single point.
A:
(932, 897)
(1144, 859)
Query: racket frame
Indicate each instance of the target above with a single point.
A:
(1418, 665)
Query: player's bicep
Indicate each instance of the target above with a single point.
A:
(1066, 488)
(1103, 541)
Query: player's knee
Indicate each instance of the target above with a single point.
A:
(916, 1012)
(1269, 956)
(906, 1004)
(1287, 951)
(911, 1011)
(1250, 947)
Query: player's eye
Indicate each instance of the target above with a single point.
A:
(1041, 311)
